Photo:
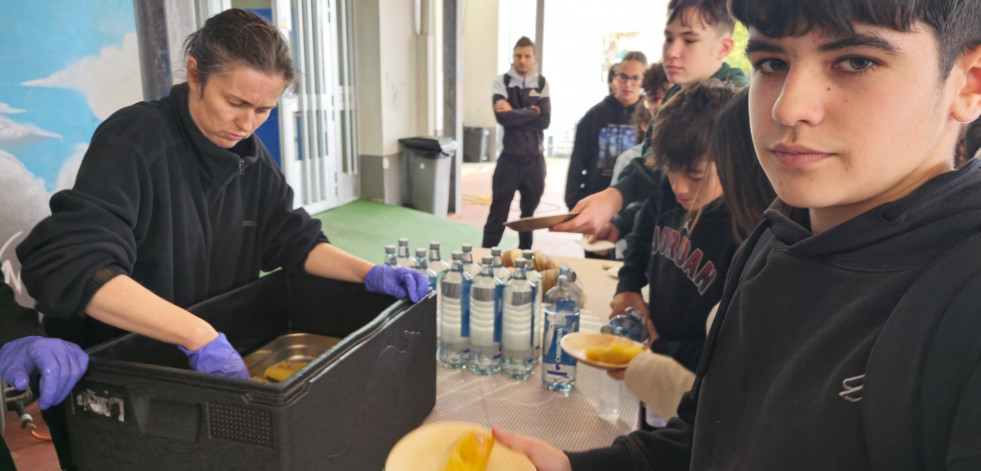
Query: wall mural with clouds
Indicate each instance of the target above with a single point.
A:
(65, 66)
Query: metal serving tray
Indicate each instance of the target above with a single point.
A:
(291, 347)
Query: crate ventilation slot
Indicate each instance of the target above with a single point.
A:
(251, 426)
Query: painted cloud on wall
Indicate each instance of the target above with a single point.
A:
(67, 66)
(5, 108)
(14, 134)
(25, 203)
(109, 80)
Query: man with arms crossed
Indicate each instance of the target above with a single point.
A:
(523, 107)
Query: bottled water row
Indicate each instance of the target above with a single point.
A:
(492, 321)
(490, 332)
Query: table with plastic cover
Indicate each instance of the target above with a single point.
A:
(568, 423)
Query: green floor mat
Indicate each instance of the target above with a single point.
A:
(364, 227)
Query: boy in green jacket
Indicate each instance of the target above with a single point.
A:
(697, 39)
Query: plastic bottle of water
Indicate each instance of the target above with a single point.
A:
(630, 323)
(485, 322)
(402, 257)
(436, 263)
(438, 266)
(422, 266)
(518, 325)
(390, 256)
(454, 320)
(538, 295)
(562, 305)
(499, 271)
(468, 265)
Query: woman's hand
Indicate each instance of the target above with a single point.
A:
(399, 282)
(60, 364)
(545, 457)
(594, 211)
(627, 299)
(218, 357)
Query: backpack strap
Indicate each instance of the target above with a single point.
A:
(507, 81)
(921, 362)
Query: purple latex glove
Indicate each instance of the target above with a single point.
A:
(218, 357)
(397, 281)
(60, 363)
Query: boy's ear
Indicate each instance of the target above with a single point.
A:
(727, 45)
(967, 71)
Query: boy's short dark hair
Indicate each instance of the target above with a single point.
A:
(641, 117)
(654, 78)
(711, 12)
(682, 127)
(524, 42)
(956, 23)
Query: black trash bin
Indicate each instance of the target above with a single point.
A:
(428, 175)
(475, 143)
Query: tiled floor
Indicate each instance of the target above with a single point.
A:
(477, 198)
(34, 455)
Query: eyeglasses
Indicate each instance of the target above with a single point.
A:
(629, 78)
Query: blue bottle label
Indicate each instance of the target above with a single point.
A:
(566, 322)
(465, 308)
(531, 306)
(498, 311)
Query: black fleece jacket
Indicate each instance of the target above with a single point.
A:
(156, 200)
(824, 355)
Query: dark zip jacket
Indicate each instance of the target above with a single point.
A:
(856, 348)
(602, 134)
(523, 126)
(156, 200)
(683, 269)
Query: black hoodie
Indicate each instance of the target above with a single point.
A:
(602, 134)
(783, 384)
(156, 200)
(684, 270)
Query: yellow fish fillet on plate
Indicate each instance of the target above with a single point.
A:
(471, 452)
(617, 353)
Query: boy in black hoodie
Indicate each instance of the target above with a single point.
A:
(848, 335)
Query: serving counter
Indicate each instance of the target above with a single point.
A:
(569, 423)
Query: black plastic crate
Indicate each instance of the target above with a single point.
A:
(141, 407)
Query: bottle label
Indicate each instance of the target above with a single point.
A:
(465, 308)
(498, 311)
(566, 322)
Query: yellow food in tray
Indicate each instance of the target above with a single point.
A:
(280, 371)
(471, 452)
(616, 353)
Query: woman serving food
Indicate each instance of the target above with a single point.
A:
(177, 200)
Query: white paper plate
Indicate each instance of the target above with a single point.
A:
(428, 447)
(598, 246)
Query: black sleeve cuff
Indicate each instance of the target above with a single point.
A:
(99, 278)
